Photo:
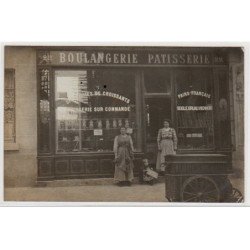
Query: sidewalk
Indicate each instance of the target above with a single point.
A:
(90, 191)
(97, 193)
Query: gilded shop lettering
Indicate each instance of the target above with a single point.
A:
(107, 94)
(193, 92)
(106, 109)
(97, 58)
(178, 59)
(136, 58)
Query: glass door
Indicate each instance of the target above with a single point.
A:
(157, 109)
(157, 101)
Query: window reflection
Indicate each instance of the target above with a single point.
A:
(91, 108)
(157, 80)
(194, 109)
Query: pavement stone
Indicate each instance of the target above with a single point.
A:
(94, 193)
(105, 193)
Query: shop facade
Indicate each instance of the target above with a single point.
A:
(85, 94)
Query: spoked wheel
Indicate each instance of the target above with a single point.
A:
(200, 189)
(235, 196)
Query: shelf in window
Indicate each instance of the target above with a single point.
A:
(193, 110)
(88, 129)
(150, 95)
(196, 127)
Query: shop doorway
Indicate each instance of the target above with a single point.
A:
(157, 101)
(158, 108)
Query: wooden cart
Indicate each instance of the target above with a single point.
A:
(200, 178)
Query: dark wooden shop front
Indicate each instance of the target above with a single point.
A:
(85, 94)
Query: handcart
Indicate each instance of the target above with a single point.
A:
(200, 178)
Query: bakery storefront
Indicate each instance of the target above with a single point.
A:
(85, 94)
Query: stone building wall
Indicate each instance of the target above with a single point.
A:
(20, 167)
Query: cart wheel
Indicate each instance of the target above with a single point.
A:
(235, 196)
(200, 189)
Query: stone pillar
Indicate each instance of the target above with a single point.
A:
(236, 82)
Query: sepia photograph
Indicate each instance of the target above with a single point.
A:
(158, 124)
(124, 125)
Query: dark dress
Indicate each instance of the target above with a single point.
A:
(123, 149)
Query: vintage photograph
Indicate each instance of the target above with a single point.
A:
(144, 124)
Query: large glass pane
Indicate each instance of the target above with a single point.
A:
(194, 109)
(157, 81)
(91, 106)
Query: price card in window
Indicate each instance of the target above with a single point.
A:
(98, 132)
(129, 131)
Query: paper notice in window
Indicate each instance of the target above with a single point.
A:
(199, 135)
(129, 131)
(98, 132)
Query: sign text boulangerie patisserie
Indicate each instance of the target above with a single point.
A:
(128, 58)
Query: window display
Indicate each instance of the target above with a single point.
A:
(194, 109)
(91, 107)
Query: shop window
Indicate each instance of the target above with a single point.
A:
(91, 106)
(194, 97)
(9, 106)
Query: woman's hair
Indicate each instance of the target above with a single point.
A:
(122, 128)
(167, 120)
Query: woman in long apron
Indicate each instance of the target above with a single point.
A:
(167, 145)
(123, 150)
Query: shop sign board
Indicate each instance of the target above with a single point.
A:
(132, 58)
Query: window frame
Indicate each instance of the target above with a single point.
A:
(138, 105)
(213, 97)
